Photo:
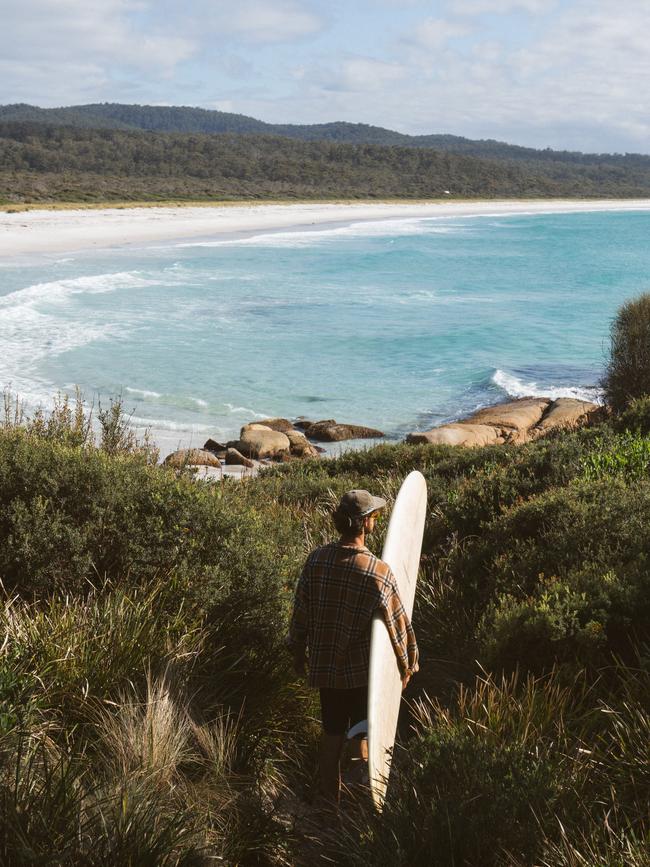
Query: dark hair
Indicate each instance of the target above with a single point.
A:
(348, 525)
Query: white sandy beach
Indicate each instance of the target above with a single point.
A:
(54, 231)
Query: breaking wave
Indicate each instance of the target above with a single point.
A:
(515, 387)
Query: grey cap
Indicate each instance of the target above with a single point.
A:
(358, 504)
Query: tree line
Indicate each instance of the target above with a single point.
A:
(40, 162)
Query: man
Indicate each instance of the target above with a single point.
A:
(340, 588)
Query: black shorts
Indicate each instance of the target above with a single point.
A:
(343, 708)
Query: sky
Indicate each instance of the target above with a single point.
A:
(566, 74)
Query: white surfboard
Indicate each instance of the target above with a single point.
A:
(402, 553)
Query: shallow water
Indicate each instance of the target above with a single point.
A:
(396, 324)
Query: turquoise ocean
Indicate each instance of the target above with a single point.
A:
(398, 324)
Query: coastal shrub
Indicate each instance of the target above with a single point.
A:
(73, 517)
(109, 752)
(516, 772)
(117, 436)
(467, 488)
(636, 417)
(612, 827)
(563, 575)
(597, 844)
(53, 811)
(585, 526)
(557, 625)
(64, 652)
(67, 423)
(128, 565)
(628, 371)
(627, 455)
(481, 780)
(486, 490)
(472, 801)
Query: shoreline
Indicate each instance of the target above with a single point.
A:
(54, 231)
(42, 231)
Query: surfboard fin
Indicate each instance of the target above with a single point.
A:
(361, 728)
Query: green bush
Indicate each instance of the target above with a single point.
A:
(470, 801)
(627, 454)
(628, 372)
(497, 775)
(636, 417)
(564, 576)
(85, 649)
(556, 625)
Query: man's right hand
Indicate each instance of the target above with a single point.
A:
(405, 679)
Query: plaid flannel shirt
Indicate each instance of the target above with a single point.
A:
(340, 588)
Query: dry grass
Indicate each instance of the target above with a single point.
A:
(21, 207)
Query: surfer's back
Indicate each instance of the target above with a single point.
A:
(340, 588)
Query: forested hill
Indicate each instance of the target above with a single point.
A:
(184, 119)
(40, 163)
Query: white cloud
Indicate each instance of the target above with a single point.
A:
(578, 81)
(365, 73)
(500, 7)
(249, 22)
(63, 51)
(88, 29)
(223, 105)
(435, 33)
(264, 21)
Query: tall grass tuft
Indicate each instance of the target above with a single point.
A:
(628, 371)
(148, 738)
(147, 784)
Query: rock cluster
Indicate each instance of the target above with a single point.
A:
(331, 431)
(192, 457)
(271, 439)
(278, 439)
(517, 421)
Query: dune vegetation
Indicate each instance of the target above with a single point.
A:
(149, 714)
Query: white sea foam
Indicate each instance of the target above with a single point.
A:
(58, 291)
(33, 329)
(515, 387)
(168, 425)
(425, 297)
(308, 237)
(143, 392)
(242, 409)
(421, 296)
(29, 335)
